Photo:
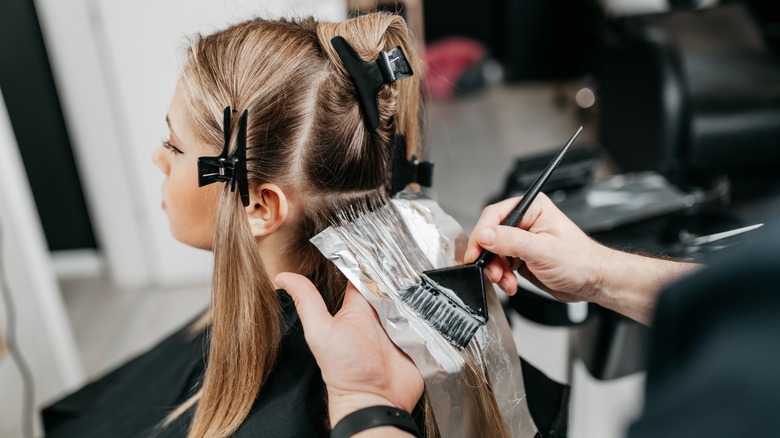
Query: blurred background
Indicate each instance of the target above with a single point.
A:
(680, 101)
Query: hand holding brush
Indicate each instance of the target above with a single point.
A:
(559, 258)
(546, 248)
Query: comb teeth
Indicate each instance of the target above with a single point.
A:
(449, 318)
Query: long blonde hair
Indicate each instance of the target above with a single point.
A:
(305, 134)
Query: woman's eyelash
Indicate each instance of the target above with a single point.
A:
(167, 145)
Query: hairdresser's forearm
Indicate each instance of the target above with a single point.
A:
(629, 284)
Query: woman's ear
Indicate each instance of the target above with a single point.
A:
(267, 209)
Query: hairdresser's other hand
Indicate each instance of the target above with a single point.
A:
(360, 365)
(550, 251)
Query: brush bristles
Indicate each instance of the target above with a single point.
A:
(455, 323)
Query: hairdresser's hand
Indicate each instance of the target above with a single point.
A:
(360, 364)
(558, 257)
(549, 250)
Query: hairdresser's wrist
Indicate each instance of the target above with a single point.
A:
(341, 404)
(629, 284)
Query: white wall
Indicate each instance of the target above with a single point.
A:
(115, 65)
(43, 332)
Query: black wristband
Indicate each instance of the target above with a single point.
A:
(375, 416)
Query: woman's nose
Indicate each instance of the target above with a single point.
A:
(159, 158)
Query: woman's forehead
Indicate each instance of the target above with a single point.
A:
(175, 117)
(178, 120)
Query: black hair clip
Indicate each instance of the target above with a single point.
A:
(230, 169)
(368, 77)
(409, 171)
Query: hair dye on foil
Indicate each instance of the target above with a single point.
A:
(383, 250)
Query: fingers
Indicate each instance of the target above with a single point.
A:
(508, 282)
(495, 270)
(308, 301)
(494, 214)
(511, 242)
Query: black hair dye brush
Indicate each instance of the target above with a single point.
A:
(452, 300)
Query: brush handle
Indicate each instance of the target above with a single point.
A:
(514, 217)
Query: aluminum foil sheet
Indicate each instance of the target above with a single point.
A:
(382, 252)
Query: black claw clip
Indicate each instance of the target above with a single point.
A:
(224, 168)
(368, 77)
(409, 171)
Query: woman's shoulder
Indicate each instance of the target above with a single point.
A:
(292, 402)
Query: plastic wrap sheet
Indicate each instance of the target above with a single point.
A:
(382, 252)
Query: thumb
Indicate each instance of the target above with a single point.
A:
(354, 299)
(308, 302)
(509, 242)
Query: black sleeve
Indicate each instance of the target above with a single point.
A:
(714, 368)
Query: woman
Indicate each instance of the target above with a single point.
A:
(281, 88)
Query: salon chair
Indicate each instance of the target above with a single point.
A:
(691, 93)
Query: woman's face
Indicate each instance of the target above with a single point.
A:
(191, 209)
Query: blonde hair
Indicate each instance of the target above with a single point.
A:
(306, 134)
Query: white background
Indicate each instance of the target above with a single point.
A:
(43, 333)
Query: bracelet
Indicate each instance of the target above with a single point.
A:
(374, 416)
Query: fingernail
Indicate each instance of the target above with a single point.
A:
(502, 284)
(280, 283)
(469, 255)
(487, 236)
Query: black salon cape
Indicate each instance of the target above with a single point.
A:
(133, 400)
(714, 368)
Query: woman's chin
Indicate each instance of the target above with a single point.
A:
(190, 240)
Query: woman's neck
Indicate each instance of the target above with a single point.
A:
(276, 259)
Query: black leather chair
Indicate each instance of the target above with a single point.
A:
(690, 92)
